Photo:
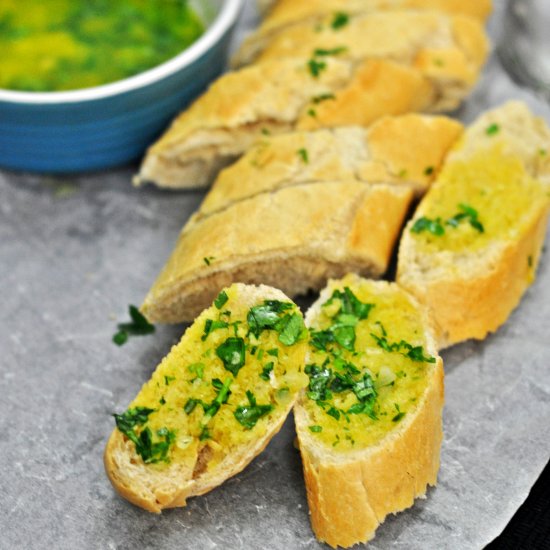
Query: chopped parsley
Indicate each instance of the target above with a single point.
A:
(312, 113)
(322, 97)
(316, 67)
(268, 367)
(150, 451)
(168, 379)
(221, 300)
(415, 353)
(303, 154)
(350, 310)
(208, 260)
(400, 414)
(492, 130)
(324, 382)
(232, 354)
(340, 20)
(323, 52)
(139, 326)
(316, 429)
(211, 409)
(272, 315)
(429, 170)
(210, 326)
(248, 415)
(198, 369)
(437, 226)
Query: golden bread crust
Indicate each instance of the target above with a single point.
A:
(279, 95)
(350, 494)
(383, 153)
(288, 14)
(294, 238)
(472, 293)
(155, 489)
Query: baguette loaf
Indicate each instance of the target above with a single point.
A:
(369, 424)
(406, 150)
(213, 403)
(280, 13)
(474, 244)
(294, 238)
(293, 94)
(410, 37)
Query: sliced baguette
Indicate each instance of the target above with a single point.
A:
(282, 13)
(406, 150)
(406, 36)
(206, 448)
(472, 278)
(283, 95)
(294, 238)
(366, 456)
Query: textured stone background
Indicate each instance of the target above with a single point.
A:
(75, 251)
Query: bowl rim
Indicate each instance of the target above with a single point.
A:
(226, 18)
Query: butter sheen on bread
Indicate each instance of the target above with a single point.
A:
(369, 424)
(474, 244)
(213, 403)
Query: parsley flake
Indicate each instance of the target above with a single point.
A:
(221, 300)
(232, 354)
(492, 130)
(248, 415)
(340, 20)
(303, 154)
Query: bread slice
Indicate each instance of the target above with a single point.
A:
(294, 238)
(294, 94)
(473, 246)
(213, 403)
(369, 424)
(405, 36)
(279, 14)
(406, 150)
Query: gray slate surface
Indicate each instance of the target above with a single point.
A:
(75, 251)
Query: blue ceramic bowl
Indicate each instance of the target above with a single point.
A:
(105, 126)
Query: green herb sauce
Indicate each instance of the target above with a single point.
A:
(73, 44)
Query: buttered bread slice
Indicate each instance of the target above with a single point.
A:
(213, 403)
(406, 36)
(294, 238)
(369, 423)
(406, 151)
(335, 13)
(326, 87)
(474, 244)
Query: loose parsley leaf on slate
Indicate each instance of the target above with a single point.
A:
(248, 415)
(138, 327)
(221, 300)
(232, 353)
